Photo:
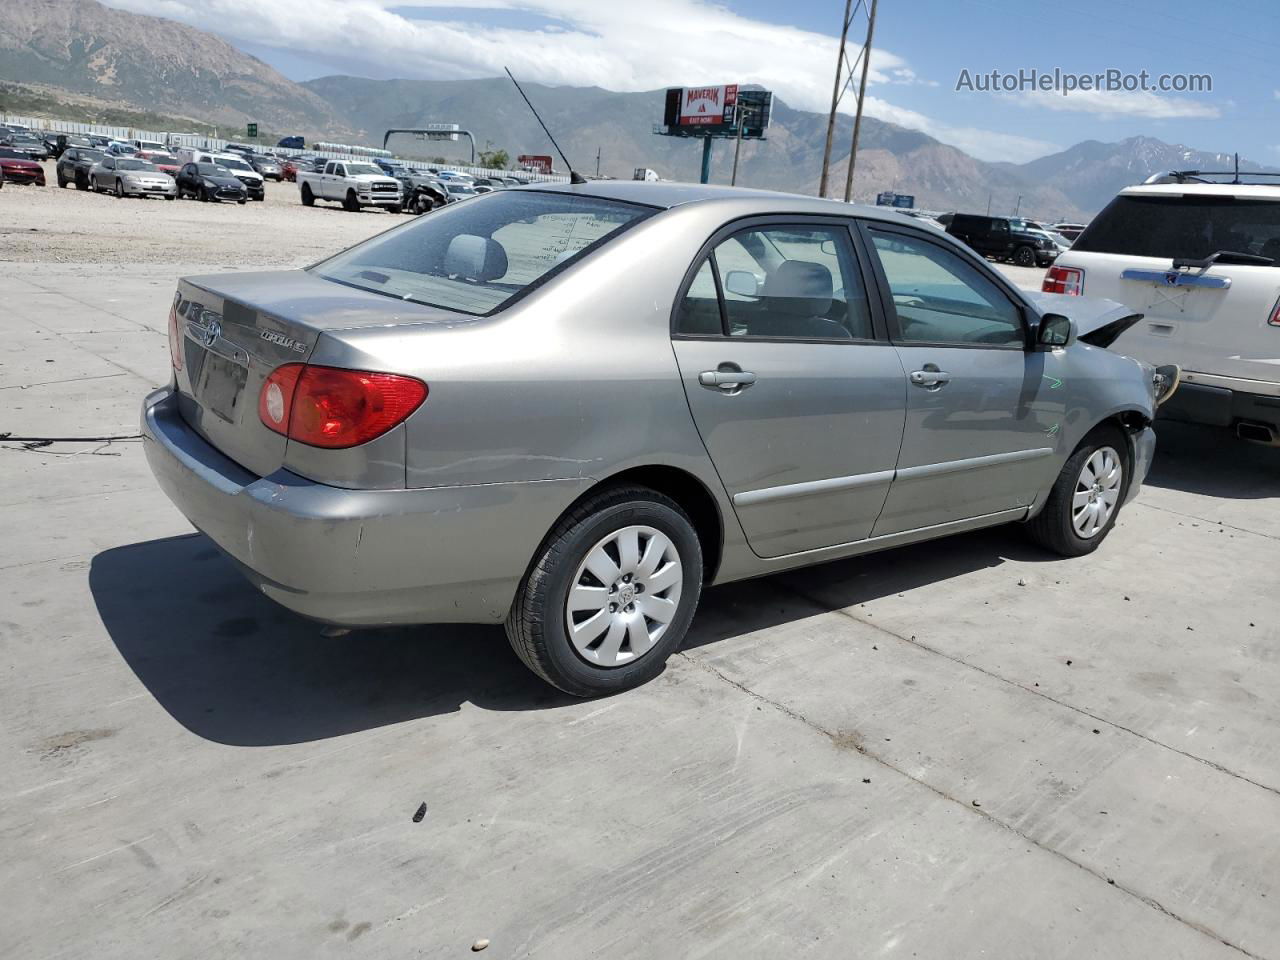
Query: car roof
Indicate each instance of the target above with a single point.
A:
(667, 194)
(1251, 191)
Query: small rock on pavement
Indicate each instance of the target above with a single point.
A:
(479, 945)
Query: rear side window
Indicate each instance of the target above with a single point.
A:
(475, 257)
(1184, 227)
(785, 282)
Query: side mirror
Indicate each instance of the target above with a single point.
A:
(1055, 330)
(742, 282)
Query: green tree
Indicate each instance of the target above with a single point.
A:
(495, 159)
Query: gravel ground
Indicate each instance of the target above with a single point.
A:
(46, 224)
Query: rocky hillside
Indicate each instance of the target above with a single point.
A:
(155, 64)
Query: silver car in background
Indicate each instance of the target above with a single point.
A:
(130, 177)
(568, 409)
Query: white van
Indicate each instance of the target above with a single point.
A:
(1201, 261)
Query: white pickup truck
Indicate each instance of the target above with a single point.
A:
(351, 183)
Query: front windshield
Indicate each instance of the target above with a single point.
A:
(211, 170)
(93, 156)
(475, 257)
(362, 169)
(235, 164)
(135, 165)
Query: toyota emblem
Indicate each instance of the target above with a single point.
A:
(212, 332)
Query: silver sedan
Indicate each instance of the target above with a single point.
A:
(131, 177)
(569, 409)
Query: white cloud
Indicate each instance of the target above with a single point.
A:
(1119, 103)
(623, 46)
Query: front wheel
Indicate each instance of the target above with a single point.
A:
(1024, 257)
(610, 594)
(1085, 500)
(119, 190)
(62, 182)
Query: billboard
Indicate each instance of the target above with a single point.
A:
(890, 199)
(438, 131)
(539, 162)
(701, 106)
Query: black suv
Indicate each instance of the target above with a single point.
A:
(999, 239)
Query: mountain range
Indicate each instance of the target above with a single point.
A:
(85, 48)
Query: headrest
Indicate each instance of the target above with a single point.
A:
(475, 258)
(799, 287)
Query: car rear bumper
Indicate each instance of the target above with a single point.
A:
(356, 557)
(1221, 406)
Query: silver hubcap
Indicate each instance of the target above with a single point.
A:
(624, 596)
(1097, 492)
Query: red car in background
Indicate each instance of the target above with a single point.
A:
(289, 170)
(162, 160)
(19, 168)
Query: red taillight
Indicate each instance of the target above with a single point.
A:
(335, 408)
(175, 338)
(1275, 316)
(1068, 280)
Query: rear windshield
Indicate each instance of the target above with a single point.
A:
(476, 256)
(1184, 227)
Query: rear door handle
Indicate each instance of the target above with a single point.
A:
(726, 379)
(931, 379)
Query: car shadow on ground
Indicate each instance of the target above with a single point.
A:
(234, 667)
(1213, 462)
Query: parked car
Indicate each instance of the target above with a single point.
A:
(458, 190)
(997, 238)
(420, 192)
(210, 181)
(1069, 230)
(131, 177)
(414, 401)
(289, 169)
(253, 181)
(17, 167)
(268, 167)
(74, 166)
(292, 143)
(241, 148)
(26, 145)
(143, 146)
(99, 142)
(118, 148)
(162, 160)
(354, 184)
(1201, 261)
(64, 141)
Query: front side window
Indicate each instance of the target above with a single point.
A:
(474, 257)
(940, 297)
(781, 282)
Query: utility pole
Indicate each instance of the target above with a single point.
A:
(988, 203)
(862, 93)
(1017, 206)
(737, 147)
(598, 162)
(837, 91)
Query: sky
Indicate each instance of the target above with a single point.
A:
(921, 51)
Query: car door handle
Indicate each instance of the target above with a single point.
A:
(726, 379)
(930, 378)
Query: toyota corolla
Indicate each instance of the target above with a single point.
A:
(568, 409)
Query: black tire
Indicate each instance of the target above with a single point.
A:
(308, 198)
(1024, 257)
(536, 623)
(350, 203)
(204, 195)
(394, 208)
(170, 198)
(82, 183)
(62, 182)
(119, 190)
(1052, 527)
(242, 201)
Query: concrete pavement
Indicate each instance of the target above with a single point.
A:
(959, 749)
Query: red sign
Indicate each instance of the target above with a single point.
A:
(708, 105)
(538, 162)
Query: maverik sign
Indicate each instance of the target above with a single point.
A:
(701, 106)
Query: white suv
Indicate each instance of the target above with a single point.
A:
(1201, 261)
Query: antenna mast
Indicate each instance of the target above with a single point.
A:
(574, 176)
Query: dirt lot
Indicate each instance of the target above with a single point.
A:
(961, 749)
(49, 225)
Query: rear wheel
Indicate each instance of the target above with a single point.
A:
(1085, 500)
(610, 595)
(308, 198)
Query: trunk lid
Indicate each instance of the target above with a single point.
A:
(234, 329)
